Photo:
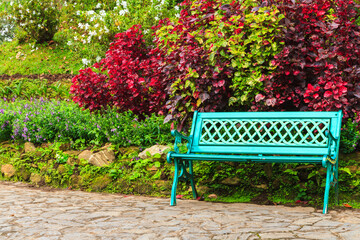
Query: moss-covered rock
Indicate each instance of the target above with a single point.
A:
(61, 169)
(100, 183)
(23, 174)
(37, 179)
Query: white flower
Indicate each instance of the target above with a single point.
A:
(156, 18)
(98, 5)
(75, 38)
(124, 4)
(91, 12)
(122, 12)
(98, 58)
(103, 13)
(69, 43)
(11, 3)
(99, 37)
(96, 25)
(77, 12)
(65, 4)
(86, 62)
(176, 8)
(177, 15)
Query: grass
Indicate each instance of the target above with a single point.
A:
(43, 59)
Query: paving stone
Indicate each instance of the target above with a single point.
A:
(277, 235)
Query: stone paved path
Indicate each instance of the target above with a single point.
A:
(31, 213)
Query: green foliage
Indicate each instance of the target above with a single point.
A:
(29, 59)
(99, 21)
(249, 40)
(38, 18)
(34, 88)
(42, 121)
(350, 135)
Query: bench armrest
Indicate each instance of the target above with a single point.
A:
(176, 134)
(329, 135)
(178, 138)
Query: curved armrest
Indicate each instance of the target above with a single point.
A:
(176, 134)
(329, 135)
(178, 138)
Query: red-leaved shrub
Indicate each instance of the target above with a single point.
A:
(319, 67)
(90, 90)
(134, 78)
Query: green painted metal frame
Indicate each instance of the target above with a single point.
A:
(295, 137)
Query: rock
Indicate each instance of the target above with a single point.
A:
(85, 155)
(65, 146)
(45, 145)
(231, 181)
(23, 174)
(212, 196)
(100, 183)
(36, 178)
(76, 181)
(61, 169)
(72, 161)
(102, 158)
(107, 146)
(8, 170)
(29, 147)
(261, 186)
(153, 168)
(202, 189)
(153, 150)
(72, 153)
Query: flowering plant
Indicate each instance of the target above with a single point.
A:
(38, 18)
(46, 121)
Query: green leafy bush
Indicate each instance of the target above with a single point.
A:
(38, 18)
(350, 135)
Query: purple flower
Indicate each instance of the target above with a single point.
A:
(113, 130)
(2, 111)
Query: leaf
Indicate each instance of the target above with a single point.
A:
(345, 169)
(156, 155)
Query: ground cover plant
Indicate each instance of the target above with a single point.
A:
(24, 88)
(43, 120)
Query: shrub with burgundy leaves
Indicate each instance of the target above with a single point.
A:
(319, 67)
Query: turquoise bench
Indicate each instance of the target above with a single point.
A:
(268, 137)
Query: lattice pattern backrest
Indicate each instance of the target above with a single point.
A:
(269, 132)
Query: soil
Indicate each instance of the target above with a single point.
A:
(49, 77)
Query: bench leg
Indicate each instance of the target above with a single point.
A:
(336, 183)
(327, 187)
(175, 183)
(194, 192)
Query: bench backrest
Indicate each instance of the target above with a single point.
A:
(289, 133)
